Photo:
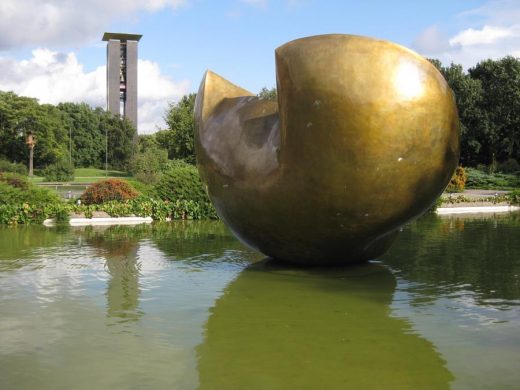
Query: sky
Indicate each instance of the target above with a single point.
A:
(52, 49)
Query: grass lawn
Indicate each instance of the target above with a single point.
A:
(89, 175)
(97, 173)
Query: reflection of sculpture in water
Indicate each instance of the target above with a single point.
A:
(276, 328)
(330, 171)
(123, 287)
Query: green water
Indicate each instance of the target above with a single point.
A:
(185, 306)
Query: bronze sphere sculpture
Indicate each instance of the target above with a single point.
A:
(363, 138)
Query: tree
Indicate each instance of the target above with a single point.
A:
(120, 132)
(148, 164)
(20, 115)
(473, 120)
(88, 141)
(500, 81)
(268, 94)
(178, 138)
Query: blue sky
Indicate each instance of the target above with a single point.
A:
(59, 56)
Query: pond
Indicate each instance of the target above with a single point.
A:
(185, 306)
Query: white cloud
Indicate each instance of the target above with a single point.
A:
(497, 35)
(155, 90)
(488, 35)
(66, 22)
(54, 77)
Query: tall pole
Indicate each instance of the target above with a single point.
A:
(106, 151)
(31, 152)
(70, 145)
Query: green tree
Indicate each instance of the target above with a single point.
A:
(120, 133)
(473, 120)
(20, 115)
(500, 81)
(88, 142)
(147, 165)
(178, 138)
(268, 94)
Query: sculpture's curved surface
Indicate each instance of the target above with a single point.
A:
(363, 138)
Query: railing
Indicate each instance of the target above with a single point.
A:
(66, 190)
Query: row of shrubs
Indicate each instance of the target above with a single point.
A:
(178, 195)
(160, 210)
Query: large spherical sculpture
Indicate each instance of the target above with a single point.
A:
(363, 138)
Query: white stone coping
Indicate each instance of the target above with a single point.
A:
(103, 221)
(476, 209)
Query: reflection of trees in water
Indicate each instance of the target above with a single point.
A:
(282, 328)
(119, 246)
(18, 244)
(187, 239)
(447, 254)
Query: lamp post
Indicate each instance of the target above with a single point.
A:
(30, 141)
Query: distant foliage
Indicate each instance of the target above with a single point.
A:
(514, 197)
(62, 170)
(108, 190)
(488, 101)
(6, 166)
(498, 181)
(509, 166)
(458, 180)
(182, 183)
(178, 139)
(16, 190)
(268, 94)
(14, 180)
(148, 164)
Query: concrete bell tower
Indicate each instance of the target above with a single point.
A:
(122, 74)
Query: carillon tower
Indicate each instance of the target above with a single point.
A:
(122, 74)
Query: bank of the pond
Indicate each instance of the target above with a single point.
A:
(478, 202)
(102, 221)
(467, 208)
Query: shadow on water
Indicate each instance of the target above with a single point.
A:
(276, 327)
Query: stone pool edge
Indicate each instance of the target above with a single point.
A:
(103, 221)
(476, 209)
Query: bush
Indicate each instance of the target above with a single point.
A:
(19, 168)
(62, 170)
(144, 189)
(14, 180)
(458, 180)
(107, 190)
(181, 183)
(15, 189)
(509, 166)
(147, 166)
(499, 181)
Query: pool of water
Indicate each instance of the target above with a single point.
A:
(185, 306)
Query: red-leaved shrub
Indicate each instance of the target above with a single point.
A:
(106, 190)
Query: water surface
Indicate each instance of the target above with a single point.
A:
(185, 306)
